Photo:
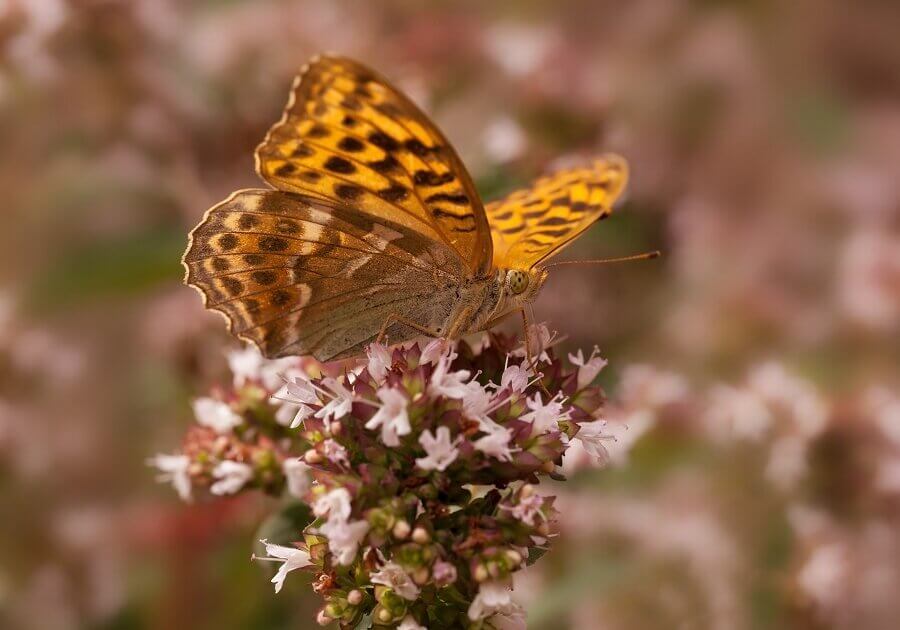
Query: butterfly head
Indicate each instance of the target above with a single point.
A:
(522, 285)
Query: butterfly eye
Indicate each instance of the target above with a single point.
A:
(517, 281)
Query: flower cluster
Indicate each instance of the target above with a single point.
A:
(420, 466)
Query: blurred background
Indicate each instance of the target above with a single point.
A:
(755, 364)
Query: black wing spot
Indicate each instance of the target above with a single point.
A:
(247, 221)
(265, 276)
(228, 241)
(281, 297)
(351, 145)
(457, 199)
(383, 141)
(273, 244)
(415, 146)
(554, 221)
(438, 213)
(337, 164)
(285, 169)
(348, 191)
(394, 193)
(351, 102)
(430, 178)
(302, 151)
(287, 226)
(233, 285)
(318, 131)
(388, 165)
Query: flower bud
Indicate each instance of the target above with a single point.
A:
(421, 575)
(514, 558)
(355, 597)
(444, 573)
(312, 457)
(384, 615)
(526, 491)
(322, 618)
(401, 530)
(334, 609)
(420, 535)
(481, 573)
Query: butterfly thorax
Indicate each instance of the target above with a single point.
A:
(485, 301)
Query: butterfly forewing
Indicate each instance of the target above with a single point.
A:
(532, 224)
(296, 277)
(347, 136)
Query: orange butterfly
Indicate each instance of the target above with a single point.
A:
(375, 228)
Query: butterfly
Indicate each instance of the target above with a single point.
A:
(373, 228)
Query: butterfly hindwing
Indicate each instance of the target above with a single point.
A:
(349, 137)
(296, 277)
(532, 224)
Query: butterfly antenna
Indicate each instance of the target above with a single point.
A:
(602, 261)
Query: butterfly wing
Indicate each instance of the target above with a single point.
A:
(531, 225)
(296, 277)
(349, 137)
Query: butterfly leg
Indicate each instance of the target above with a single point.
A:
(395, 318)
(531, 361)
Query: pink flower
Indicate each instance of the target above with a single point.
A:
(344, 538)
(174, 469)
(395, 578)
(436, 350)
(493, 597)
(231, 477)
(528, 509)
(445, 383)
(496, 442)
(444, 573)
(294, 398)
(439, 448)
(544, 417)
(515, 377)
(409, 623)
(296, 473)
(217, 415)
(476, 401)
(333, 504)
(341, 402)
(335, 453)
(247, 364)
(379, 361)
(290, 558)
(587, 369)
(592, 436)
(392, 417)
